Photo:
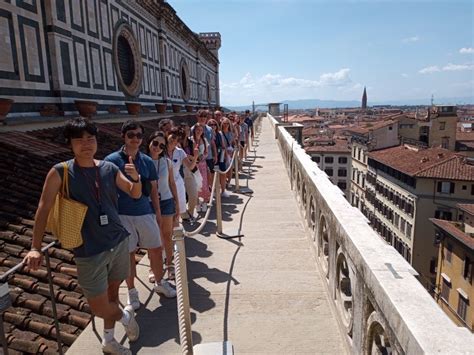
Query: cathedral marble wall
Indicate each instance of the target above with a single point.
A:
(57, 51)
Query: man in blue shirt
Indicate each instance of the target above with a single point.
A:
(137, 215)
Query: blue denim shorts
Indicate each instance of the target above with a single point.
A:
(168, 207)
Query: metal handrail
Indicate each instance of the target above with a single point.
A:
(14, 269)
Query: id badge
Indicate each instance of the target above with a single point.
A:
(103, 219)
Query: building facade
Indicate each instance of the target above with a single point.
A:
(333, 156)
(454, 275)
(109, 51)
(406, 186)
(365, 138)
(437, 129)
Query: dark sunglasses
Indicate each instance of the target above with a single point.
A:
(158, 144)
(212, 125)
(131, 135)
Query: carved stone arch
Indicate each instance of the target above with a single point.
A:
(208, 88)
(323, 245)
(344, 291)
(377, 339)
(185, 83)
(304, 196)
(312, 217)
(127, 59)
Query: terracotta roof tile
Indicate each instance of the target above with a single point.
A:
(430, 163)
(453, 229)
(465, 136)
(455, 168)
(469, 208)
(339, 146)
(366, 127)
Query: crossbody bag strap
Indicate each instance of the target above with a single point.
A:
(65, 183)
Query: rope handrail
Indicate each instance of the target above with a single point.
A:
(211, 203)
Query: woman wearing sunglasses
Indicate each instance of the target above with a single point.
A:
(178, 158)
(169, 205)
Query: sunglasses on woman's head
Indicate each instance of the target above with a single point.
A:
(131, 135)
(158, 144)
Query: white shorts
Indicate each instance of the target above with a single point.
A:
(144, 231)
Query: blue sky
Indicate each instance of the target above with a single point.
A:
(274, 50)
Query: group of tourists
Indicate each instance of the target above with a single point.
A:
(135, 196)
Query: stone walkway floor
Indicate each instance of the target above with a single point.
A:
(262, 292)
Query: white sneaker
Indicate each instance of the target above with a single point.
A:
(151, 277)
(133, 299)
(225, 194)
(165, 289)
(132, 329)
(114, 347)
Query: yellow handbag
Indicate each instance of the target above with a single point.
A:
(67, 216)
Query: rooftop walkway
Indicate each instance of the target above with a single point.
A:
(262, 292)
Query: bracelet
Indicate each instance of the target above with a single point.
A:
(135, 181)
(34, 249)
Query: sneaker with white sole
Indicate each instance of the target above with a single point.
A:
(225, 194)
(151, 277)
(164, 288)
(132, 329)
(133, 299)
(115, 348)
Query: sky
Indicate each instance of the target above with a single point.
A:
(275, 50)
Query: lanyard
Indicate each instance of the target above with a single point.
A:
(93, 185)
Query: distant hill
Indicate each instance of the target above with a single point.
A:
(313, 103)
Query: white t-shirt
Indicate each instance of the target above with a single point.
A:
(177, 159)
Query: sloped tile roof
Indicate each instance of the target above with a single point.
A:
(366, 127)
(452, 228)
(454, 168)
(469, 208)
(419, 162)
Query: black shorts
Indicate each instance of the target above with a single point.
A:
(210, 165)
(242, 144)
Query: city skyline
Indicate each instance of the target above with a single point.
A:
(287, 50)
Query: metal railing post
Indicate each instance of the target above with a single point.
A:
(218, 203)
(53, 302)
(182, 297)
(236, 172)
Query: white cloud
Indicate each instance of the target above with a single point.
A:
(271, 87)
(430, 69)
(466, 51)
(448, 67)
(405, 75)
(411, 39)
(457, 67)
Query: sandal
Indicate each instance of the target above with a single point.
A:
(151, 277)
